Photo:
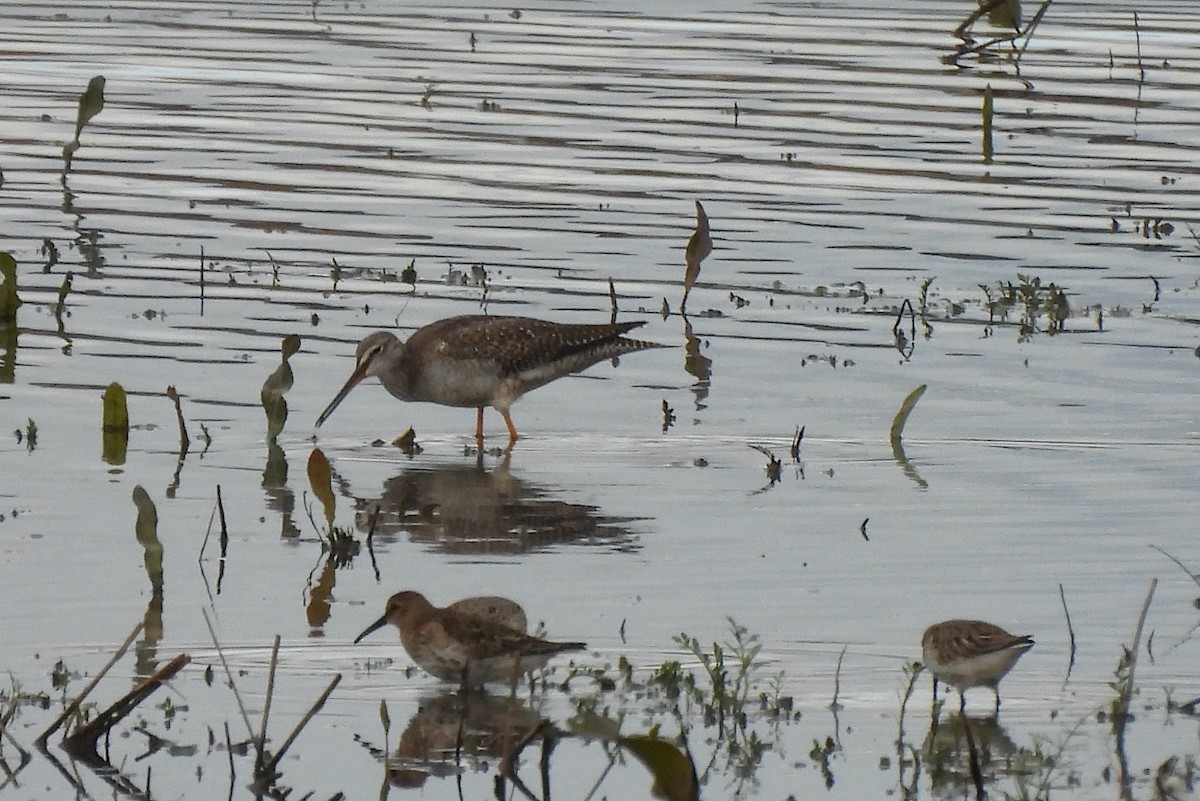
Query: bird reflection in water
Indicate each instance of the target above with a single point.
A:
(453, 733)
(949, 753)
(465, 509)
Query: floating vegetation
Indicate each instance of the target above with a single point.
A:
(698, 248)
(9, 302)
(91, 103)
(115, 425)
(277, 385)
(896, 435)
(146, 529)
(1042, 308)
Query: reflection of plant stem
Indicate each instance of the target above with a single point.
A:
(913, 671)
(1070, 628)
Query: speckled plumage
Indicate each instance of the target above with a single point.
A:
(971, 653)
(479, 360)
(455, 645)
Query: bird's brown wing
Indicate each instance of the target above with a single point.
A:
(516, 344)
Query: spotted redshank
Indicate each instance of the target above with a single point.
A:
(455, 645)
(478, 360)
(971, 653)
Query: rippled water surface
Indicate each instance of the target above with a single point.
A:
(520, 160)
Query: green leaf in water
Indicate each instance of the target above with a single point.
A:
(115, 428)
(672, 768)
(384, 717)
(116, 411)
(91, 103)
(146, 529)
(8, 288)
(902, 416)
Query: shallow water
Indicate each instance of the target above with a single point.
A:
(566, 149)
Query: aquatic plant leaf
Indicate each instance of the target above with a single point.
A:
(1005, 14)
(898, 445)
(116, 411)
(320, 478)
(384, 716)
(905, 410)
(672, 768)
(698, 248)
(290, 346)
(8, 288)
(115, 425)
(146, 530)
(91, 103)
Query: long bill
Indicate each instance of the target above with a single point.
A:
(376, 626)
(355, 379)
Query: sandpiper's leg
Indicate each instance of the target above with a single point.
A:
(513, 436)
(479, 425)
(996, 690)
(962, 703)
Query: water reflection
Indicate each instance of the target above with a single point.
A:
(274, 478)
(146, 530)
(466, 509)
(453, 732)
(696, 364)
(963, 751)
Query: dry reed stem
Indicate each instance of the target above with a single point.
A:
(269, 768)
(83, 739)
(73, 707)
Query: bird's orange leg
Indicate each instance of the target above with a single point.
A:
(513, 436)
(479, 425)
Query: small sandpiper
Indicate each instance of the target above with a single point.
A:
(971, 653)
(478, 360)
(462, 646)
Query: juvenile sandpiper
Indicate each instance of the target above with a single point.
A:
(461, 646)
(479, 360)
(971, 653)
